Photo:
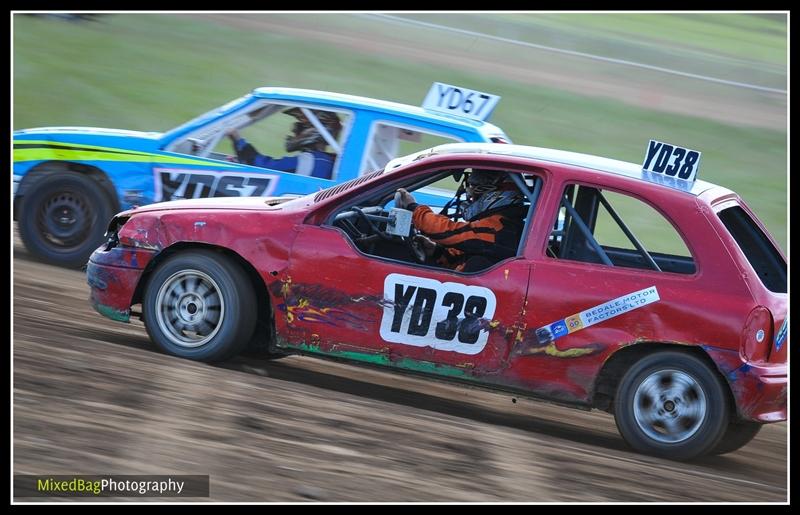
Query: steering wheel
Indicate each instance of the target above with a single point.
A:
(416, 248)
(373, 229)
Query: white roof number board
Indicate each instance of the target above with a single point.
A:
(463, 102)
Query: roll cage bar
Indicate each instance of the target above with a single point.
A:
(587, 201)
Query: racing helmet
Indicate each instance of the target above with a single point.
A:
(304, 135)
(490, 192)
(480, 181)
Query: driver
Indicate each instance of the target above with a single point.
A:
(312, 161)
(494, 218)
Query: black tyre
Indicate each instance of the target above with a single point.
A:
(63, 218)
(200, 305)
(261, 344)
(738, 434)
(671, 404)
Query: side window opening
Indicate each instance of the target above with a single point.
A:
(365, 221)
(757, 248)
(387, 141)
(269, 127)
(609, 228)
(383, 147)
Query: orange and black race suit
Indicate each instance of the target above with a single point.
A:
(494, 237)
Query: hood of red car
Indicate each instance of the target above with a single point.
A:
(236, 203)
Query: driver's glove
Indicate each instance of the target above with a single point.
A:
(406, 199)
(427, 244)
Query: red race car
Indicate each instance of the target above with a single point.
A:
(633, 289)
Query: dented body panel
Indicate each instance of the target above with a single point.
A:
(113, 275)
(548, 327)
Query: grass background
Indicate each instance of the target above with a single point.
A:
(155, 71)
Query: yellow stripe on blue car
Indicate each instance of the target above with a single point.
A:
(50, 151)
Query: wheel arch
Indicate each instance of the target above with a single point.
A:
(615, 366)
(41, 171)
(265, 326)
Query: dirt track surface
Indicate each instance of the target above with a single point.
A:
(91, 396)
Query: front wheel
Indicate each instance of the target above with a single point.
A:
(200, 305)
(671, 404)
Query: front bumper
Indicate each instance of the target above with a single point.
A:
(113, 276)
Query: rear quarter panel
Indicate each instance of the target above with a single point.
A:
(706, 310)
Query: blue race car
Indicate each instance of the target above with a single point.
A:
(69, 181)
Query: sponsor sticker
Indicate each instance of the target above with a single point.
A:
(559, 329)
(574, 323)
(781, 336)
(428, 313)
(597, 314)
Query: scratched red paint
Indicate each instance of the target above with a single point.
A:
(327, 293)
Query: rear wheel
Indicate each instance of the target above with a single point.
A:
(738, 434)
(671, 404)
(200, 305)
(63, 218)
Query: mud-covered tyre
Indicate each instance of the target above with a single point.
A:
(738, 434)
(63, 217)
(671, 404)
(200, 305)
